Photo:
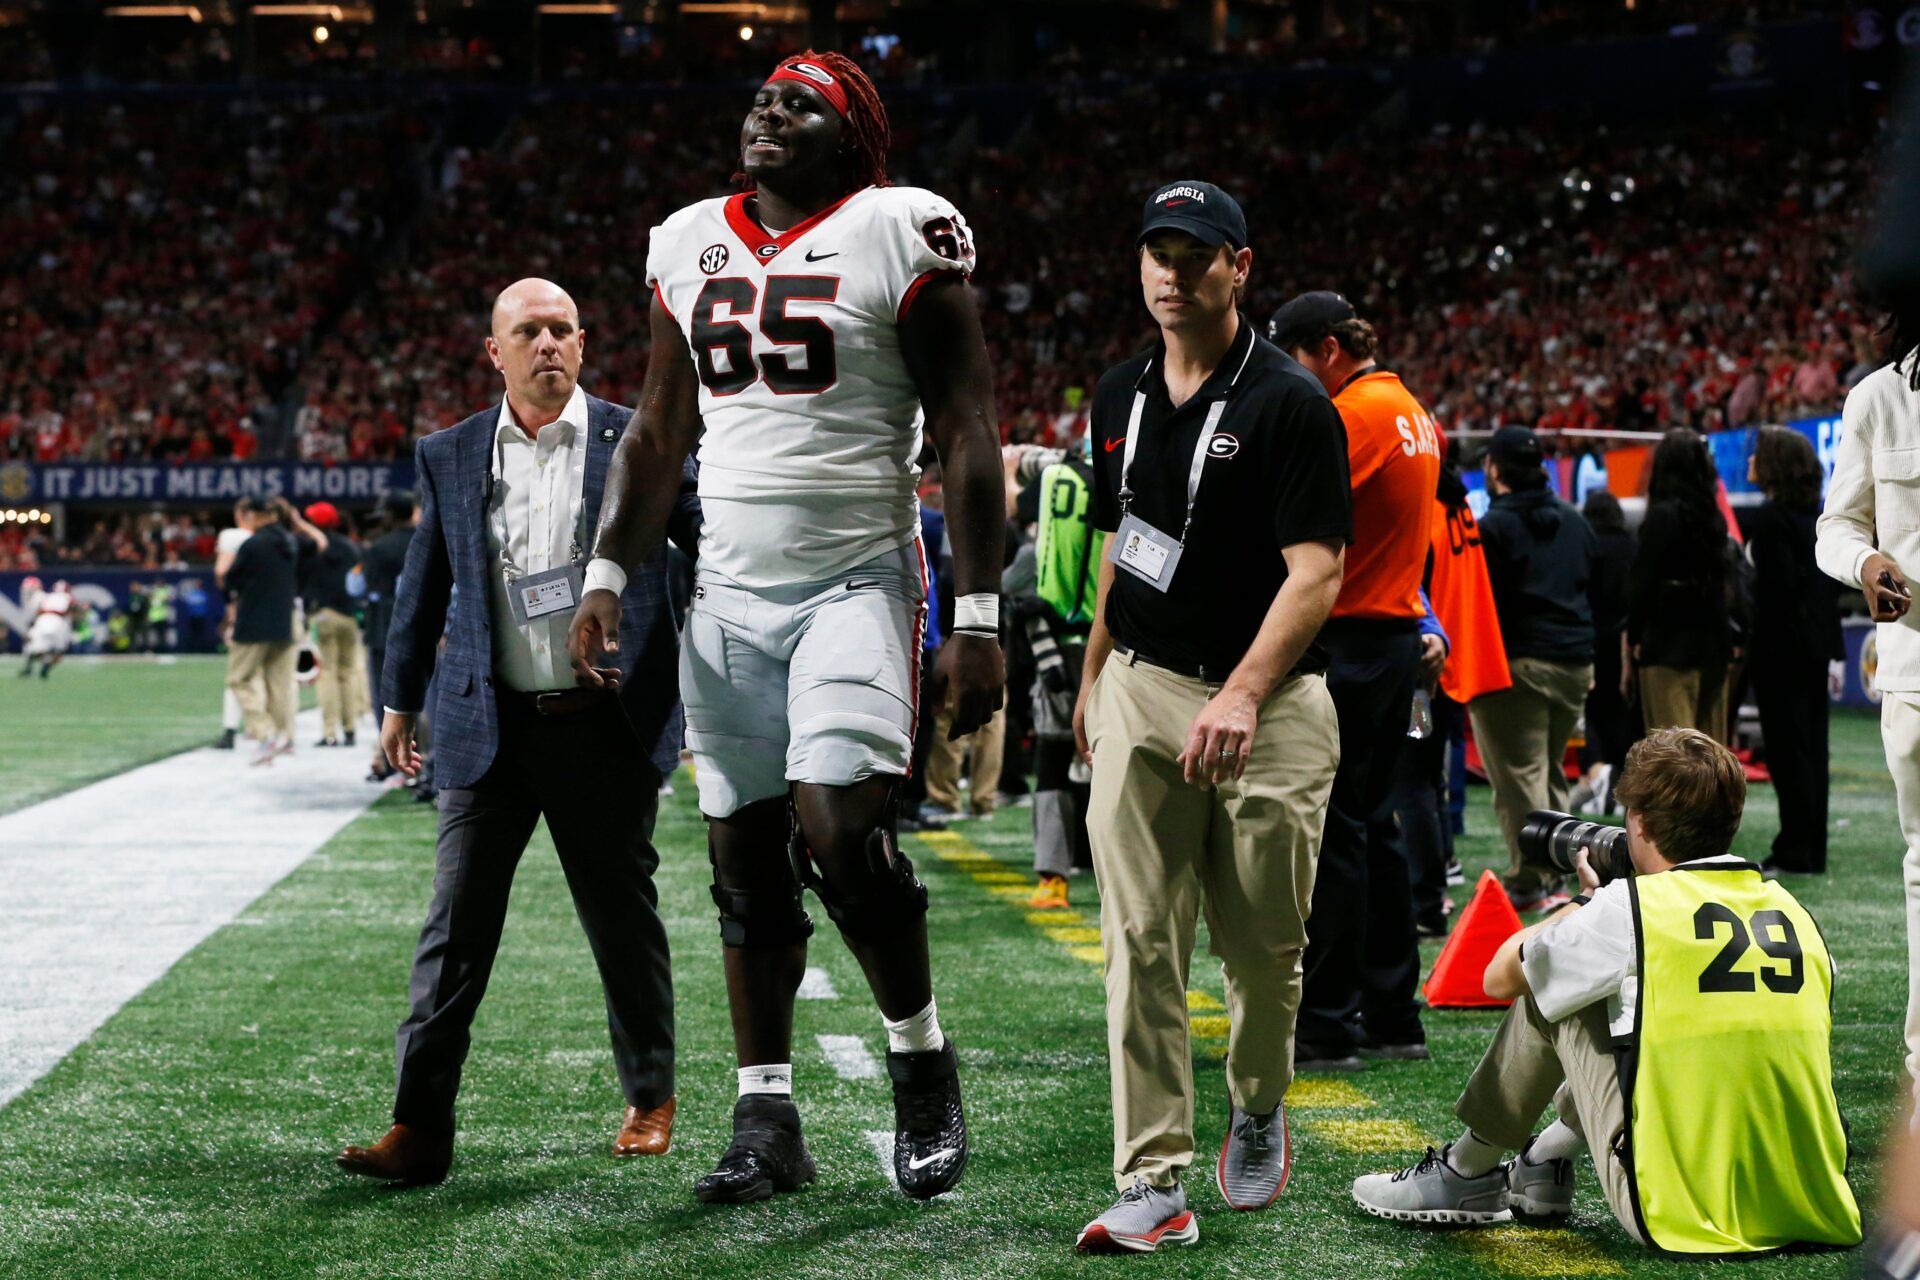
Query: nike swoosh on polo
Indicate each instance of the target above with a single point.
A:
(822, 257)
(1115, 444)
(924, 1161)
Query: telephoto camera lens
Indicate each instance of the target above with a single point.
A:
(1552, 838)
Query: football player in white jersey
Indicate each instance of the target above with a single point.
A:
(51, 633)
(805, 332)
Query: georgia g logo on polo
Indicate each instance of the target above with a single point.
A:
(1222, 446)
(713, 258)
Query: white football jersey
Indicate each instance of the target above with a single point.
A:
(55, 603)
(812, 423)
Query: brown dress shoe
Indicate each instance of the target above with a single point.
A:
(646, 1132)
(406, 1155)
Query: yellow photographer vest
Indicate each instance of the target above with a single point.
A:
(1735, 1141)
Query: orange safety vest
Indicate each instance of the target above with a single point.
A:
(1462, 596)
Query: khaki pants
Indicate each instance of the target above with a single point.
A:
(342, 683)
(261, 677)
(988, 745)
(1522, 734)
(1683, 697)
(1900, 738)
(1569, 1063)
(1163, 849)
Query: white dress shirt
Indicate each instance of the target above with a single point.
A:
(1873, 504)
(539, 483)
(1591, 954)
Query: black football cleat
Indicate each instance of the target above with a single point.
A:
(930, 1131)
(767, 1154)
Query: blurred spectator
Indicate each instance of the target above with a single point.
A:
(1789, 655)
(1682, 595)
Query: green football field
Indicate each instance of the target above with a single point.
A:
(95, 717)
(193, 1134)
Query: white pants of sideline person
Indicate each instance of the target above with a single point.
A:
(1900, 737)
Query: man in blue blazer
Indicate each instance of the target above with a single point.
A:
(509, 500)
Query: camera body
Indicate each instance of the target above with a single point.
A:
(1553, 838)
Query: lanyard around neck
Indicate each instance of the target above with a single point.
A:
(497, 510)
(1214, 412)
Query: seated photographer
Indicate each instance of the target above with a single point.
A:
(1677, 1015)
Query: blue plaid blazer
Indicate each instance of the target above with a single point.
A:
(449, 553)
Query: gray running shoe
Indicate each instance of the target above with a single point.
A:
(1543, 1190)
(1432, 1192)
(1143, 1219)
(1254, 1160)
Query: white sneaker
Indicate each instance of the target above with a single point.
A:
(1432, 1192)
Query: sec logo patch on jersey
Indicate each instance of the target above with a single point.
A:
(714, 259)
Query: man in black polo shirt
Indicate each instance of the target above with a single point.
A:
(1221, 478)
(261, 583)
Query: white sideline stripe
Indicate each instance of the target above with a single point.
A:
(848, 1057)
(104, 888)
(817, 984)
(881, 1140)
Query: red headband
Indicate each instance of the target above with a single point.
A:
(816, 76)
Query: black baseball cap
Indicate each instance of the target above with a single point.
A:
(1306, 320)
(1515, 447)
(1200, 209)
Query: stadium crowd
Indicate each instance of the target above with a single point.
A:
(158, 296)
(1588, 278)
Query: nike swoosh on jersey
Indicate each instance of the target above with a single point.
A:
(1115, 444)
(813, 257)
(924, 1161)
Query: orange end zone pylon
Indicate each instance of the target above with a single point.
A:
(1459, 975)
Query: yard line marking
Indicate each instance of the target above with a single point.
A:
(106, 887)
(1089, 955)
(1054, 917)
(1525, 1251)
(1211, 1026)
(817, 984)
(1368, 1137)
(881, 1140)
(1074, 933)
(1200, 1002)
(849, 1057)
(1326, 1095)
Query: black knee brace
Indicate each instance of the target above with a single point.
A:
(881, 900)
(768, 913)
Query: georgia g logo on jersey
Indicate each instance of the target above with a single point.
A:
(713, 259)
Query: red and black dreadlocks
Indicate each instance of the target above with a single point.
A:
(867, 134)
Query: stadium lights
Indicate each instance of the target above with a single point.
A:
(330, 12)
(746, 33)
(190, 12)
(602, 10)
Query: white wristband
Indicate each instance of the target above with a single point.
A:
(977, 612)
(605, 574)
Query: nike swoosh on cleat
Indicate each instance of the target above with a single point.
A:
(924, 1161)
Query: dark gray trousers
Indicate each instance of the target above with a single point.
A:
(589, 777)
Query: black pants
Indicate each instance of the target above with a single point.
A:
(1612, 724)
(588, 775)
(1420, 800)
(1363, 958)
(1793, 720)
